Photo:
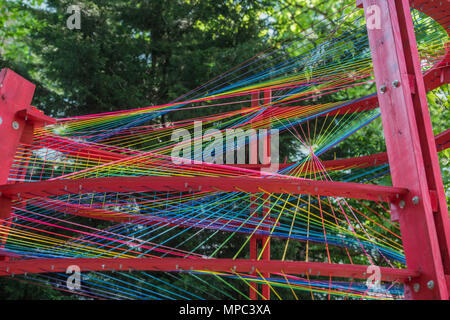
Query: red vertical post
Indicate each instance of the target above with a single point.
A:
(410, 146)
(253, 240)
(265, 240)
(258, 241)
(17, 122)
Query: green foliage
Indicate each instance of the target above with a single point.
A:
(130, 54)
(13, 289)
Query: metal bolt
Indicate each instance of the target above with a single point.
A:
(402, 204)
(383, 89)
(395, 83)
(416, 287)
(15, 125)
(1, 120)
(430, 284)
(415, 200)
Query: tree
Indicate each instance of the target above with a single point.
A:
(134, 54)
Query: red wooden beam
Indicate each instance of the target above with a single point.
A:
(253, 243)
(34, 266)
(443, 140)
(264, 243)
(187, 184)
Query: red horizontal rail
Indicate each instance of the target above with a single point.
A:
(17, 267)
(443, 140)
(188, 184)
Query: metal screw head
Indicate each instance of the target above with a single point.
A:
(430, 284)
(415, 200)
(416, 287)
(1, 120)
(395, 83)
(383, 89)
(15, 125)
(402, 204)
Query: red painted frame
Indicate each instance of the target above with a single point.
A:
(411, 151)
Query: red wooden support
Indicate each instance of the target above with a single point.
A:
(258, 241)
(254, 239)
(253, 146)
(219, 265)
(253, 251)
(265, 244)
(17, 122)
(186, 184)
(265, 240)
(410, 145)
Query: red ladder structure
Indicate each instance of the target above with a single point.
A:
(417, 196)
